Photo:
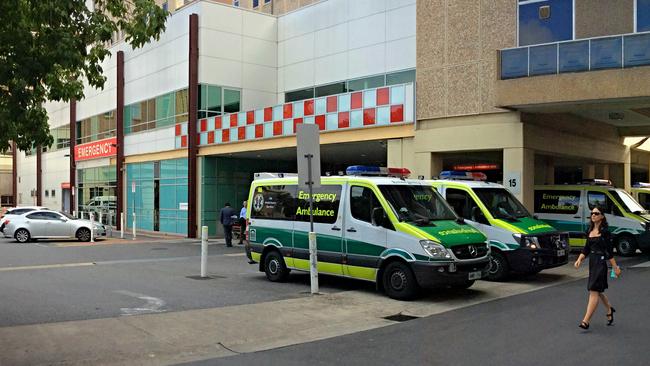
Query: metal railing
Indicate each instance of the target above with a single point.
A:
(599, 53)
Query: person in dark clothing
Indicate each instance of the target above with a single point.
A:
(242, 223)
(227, 217)
(599, 250)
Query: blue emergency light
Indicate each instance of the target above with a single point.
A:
(376, 170)
(461, 175)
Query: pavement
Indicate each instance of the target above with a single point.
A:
(139, 304)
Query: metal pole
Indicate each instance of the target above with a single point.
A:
(133, 225)
(92, 227)
(313, 259)
(121, 225)
(204, 251)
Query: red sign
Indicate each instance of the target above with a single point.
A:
(96, 149)
(475, 167)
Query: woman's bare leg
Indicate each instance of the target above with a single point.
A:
(605, 301)
(591, 306)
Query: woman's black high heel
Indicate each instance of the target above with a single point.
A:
(584, 325)
(610, 317)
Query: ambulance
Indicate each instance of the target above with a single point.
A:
(372, 224)
(518, 241)
(568, 207)
(641, 193)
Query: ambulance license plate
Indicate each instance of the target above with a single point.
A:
(475, 275)
(561, 253)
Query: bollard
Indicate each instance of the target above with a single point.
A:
(121, 225)
(204, 251)
(92, 227)
(134, 226)
(313, 263)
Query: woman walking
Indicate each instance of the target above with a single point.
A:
(599, 250)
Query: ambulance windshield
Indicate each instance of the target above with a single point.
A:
(418, 204)
(501, 203)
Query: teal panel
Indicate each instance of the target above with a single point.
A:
(168, 197)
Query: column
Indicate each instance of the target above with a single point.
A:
(14, 173)
(519, 173)
(602, 171)
(73, 164)
(549, 177)
(192, 88)
(588, 171)
(39, 177)
(119, 123)
(627, 169)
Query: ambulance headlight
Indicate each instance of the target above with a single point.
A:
(435, 250)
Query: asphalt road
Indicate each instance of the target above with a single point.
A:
(46, 283)
(536, 328)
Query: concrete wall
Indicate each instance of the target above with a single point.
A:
(456, 54)
(335, 40)
(594, 18)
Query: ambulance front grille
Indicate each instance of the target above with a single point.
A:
(470, 251)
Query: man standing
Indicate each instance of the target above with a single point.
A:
(226, 218)
(242, 223)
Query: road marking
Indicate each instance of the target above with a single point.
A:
(234, 255)
(642, 265)
(153, 305)
(46, 266)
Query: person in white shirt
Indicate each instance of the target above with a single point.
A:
(242, 223)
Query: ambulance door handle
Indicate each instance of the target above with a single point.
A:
(577, 217)
(336, 228)
(352, 230)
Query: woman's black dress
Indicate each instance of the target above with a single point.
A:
(599, 250)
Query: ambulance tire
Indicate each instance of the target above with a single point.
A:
(499, 268)
(275, 268)
(625, 246)
(399, 281)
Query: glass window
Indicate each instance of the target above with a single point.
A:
(37, 216)
(330, 89)
(181, 106)
(214, 99)
(627, 202)
(231, 100)
(366, 83)
(401, 77)
(326, 204)
(501, 203)
(545, 22)
(418, 204)
(274, 203)
(256, 3)
(296, 95)
(557, 202)
(642, 15)
(362, 202)
(602, 200)
(462, 203)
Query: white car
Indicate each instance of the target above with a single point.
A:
(15, 212)
(47, 224)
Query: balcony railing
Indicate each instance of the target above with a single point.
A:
(611, 52)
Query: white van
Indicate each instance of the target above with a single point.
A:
(397, 232)
(568, 207)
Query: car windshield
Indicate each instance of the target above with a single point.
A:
(629, 203)
(501, 203)
(418, 204)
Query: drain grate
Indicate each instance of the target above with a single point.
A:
(212, 277)
(400, 317)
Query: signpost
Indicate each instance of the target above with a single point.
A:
(308, 156)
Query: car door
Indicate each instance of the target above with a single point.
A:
(36, 224)
(364, 242)
(328, 225)
(57, 225)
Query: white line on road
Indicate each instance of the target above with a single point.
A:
(234, 255)
(642, 265)
(153, 305)
(46, 266)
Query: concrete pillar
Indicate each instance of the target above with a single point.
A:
(602, 171)
(589, 171)
(549, 177)
(400, 154)
(627, 169)
(519, 173)
(427, 164)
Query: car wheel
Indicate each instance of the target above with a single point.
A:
(399, 281)
(83, 234)
(498, 267)
(464, 285)
(274, 267)
(22, 236)
(625, 246)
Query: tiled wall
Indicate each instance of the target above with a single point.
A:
(363, 109)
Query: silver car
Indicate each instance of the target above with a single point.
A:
(47, 224)
(15, 212)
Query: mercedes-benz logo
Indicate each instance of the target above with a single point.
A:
(473, 251)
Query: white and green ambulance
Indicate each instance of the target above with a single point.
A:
(641, 193)
(519, 242)
(567, 208)
(396, 232)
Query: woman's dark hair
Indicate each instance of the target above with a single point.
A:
(603, 224)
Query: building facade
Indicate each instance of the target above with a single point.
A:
(530, 92)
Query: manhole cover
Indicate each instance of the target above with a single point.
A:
(400, 317)
(211, 277)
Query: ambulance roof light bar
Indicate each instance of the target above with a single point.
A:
(597, 182)
(371, 170)
(462, 175)
(267, 175)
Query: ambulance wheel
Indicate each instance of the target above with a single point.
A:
(274, 267)
(399, 281)
(498, 267)
(464, 286)
(625, 245)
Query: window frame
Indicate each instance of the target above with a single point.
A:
(351, 199)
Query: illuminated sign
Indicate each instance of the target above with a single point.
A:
(96, 149)
(474, 167)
